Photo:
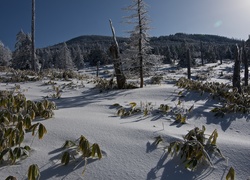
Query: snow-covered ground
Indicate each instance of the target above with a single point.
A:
(127, 143)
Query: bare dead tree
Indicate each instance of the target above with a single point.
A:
(245, 60)
(115, 51)
(236, 74)
(188, 64)
(33, 53)
(202, 53)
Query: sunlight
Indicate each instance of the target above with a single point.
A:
(218, 23)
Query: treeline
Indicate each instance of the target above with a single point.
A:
(79, 51)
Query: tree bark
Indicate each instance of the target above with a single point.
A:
(114, 49)
(140, 45)
(236, 74)
(33, 53)
(245, 60)
(202, 54)
(188, 64)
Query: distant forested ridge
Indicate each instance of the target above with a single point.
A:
(90, 49)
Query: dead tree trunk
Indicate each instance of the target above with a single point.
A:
(33, 51)
(202, 54)
(188, 64)
(140, 43)
(236, 74)
(114, 50)
(245, 60)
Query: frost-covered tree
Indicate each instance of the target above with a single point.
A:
(97, 55)
(5, 55)
(46, 58)
(228, 54)
(167, 55)
(63, 58)
(182, 55)
(210, 54)
(21, 58)
(138, 58)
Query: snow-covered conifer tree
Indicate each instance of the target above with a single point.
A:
(5, 55)
(21, 58)
(63, 59)
(138, 57)
(46, 58)
(78, 58)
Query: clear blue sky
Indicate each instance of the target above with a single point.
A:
(61, 20)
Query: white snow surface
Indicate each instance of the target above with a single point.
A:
(127, 143)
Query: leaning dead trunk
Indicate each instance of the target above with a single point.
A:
(114, 50)
(236, 74)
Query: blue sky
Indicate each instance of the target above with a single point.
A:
(61, 20)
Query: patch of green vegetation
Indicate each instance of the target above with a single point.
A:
(195, 148)
(16, 117)
(80, 148)
(234, 102)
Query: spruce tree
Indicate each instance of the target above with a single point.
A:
(63, 59)
(21, 58)
(5, 55)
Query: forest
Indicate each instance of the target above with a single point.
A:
(83, 50)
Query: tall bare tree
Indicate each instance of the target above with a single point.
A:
(245, 61)
(33, 50)
(236, 73)
(202, 53)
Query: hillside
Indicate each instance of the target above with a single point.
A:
(176, 39)
(93, 48)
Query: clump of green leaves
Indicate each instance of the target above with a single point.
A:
(156, 79)
(164, 108)
(80, 148)
(13, 75)
(104, 84)
(16, 117)
(55, 74)
(57, 90)
(11, 178)
(50, 82)
(195, 148)
(231, 174)
(158, 139)
(33, 172)
(181, 112)
(233, 101)
(133, 109)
